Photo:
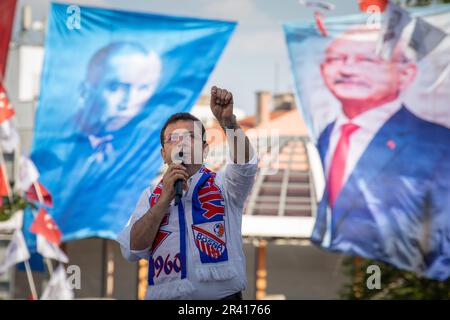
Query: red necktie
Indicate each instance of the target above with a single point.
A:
(337, 166)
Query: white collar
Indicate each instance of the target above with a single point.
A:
(372, 119)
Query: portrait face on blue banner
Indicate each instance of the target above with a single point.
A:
(110, 80)
(121, 77)
(382, 130)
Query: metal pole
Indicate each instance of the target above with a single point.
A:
(142, 278)
(41, 200)
(30, 280)
(261, 271)
(109, 270)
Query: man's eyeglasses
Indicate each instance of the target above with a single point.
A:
(175, 137)
(362, 59)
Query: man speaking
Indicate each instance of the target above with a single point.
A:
(191, 237)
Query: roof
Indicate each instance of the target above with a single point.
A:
(283, 122)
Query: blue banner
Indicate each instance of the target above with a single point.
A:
(110, 80)
(381, 127)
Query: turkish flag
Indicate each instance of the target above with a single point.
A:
(365, 4)
(6, 111)
(44, 225)
(32, 195)
(319, 23)
(7, 8)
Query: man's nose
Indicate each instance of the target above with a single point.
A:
(183, 143)
(348, 67)
(125, 98)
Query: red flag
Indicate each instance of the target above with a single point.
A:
(5, 190)
(319, 23)
(365, 4)
(6, 111)
(7, 9)
(32, 195)
(44, 225)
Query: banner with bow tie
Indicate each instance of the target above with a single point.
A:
(110, 80)
(381, 124)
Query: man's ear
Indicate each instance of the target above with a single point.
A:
(407, 75)
(163, 154)
(322, 66)
(205, 150)
(86, 90)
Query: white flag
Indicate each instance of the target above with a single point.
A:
(16, 252)
(28, 174)
(425, 38)
(58, 288)
(394, 22)
(50, 250)
(9, 138)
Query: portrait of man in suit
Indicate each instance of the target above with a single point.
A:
(387, 170)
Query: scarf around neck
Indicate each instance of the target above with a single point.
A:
(195, 229)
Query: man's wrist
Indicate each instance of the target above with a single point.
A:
(229, 123)
(164, 201)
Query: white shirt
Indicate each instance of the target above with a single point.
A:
(369, 123)
(235, 181)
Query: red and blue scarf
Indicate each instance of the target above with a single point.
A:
(200, 236)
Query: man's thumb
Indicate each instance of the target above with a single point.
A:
(213, 92)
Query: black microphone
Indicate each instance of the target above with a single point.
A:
(178, 185)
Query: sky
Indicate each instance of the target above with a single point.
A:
(256, 56)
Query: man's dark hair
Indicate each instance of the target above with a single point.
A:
(181, 116)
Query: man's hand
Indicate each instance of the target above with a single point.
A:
(222, 106)
(173, 173)
(144, 230)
